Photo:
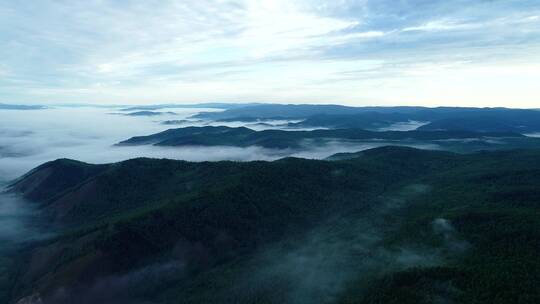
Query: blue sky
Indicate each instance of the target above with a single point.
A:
(364, 52)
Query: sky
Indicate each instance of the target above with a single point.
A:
(354, 52)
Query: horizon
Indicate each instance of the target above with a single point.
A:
(353, 53)
(248, 104)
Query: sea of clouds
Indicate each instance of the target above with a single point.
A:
(29, 138)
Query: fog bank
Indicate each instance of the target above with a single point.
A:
(30, 138)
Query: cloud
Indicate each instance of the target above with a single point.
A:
(19, 225)
(125, 288)
(439, 25)
(29, 139)
(347, 250)
(88, 134)
(105, 51)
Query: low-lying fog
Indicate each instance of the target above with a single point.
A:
(29, 138)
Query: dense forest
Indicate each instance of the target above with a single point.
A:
(374, 118)
(281, 139)
(388, 225)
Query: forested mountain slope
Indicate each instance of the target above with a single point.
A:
(279, 139)
(388, 225)
(438, 118)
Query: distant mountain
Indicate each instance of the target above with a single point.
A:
(280, 111)
(441, 118)
(178, 122)
(390, 225)
(215, 105)
(249, 119)
(344, 156)
(449, 119)
(243, 137)
(367, 120)
(523, 122)
(4, 106)
(148, 113)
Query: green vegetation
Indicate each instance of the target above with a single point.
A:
(440, 118)
(388, 225)
(279, 139)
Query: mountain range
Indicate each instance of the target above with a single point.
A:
(388, 225)
(440, 118)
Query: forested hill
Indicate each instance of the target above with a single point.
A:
(389, 225)
(74, 186)
(439, 118)
(242, 137)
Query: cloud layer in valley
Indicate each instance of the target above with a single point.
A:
(30, 138)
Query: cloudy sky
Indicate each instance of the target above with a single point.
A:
(357, 52)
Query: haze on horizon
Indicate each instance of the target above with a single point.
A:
(363, 52)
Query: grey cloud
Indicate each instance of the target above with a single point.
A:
(109, 49)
